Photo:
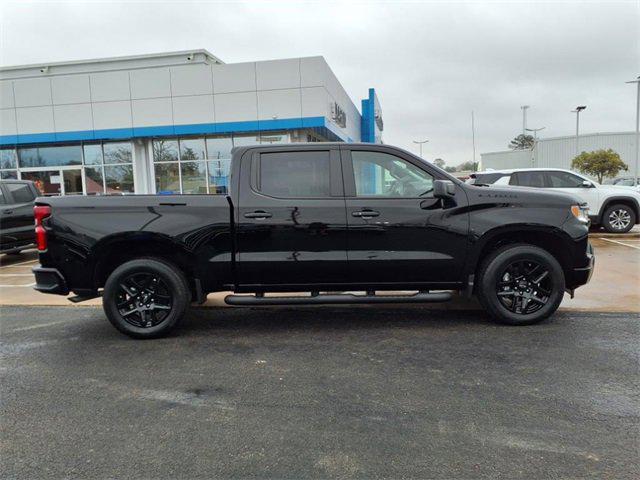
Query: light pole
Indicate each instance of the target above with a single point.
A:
(635, 167)
(420, 143)
(577, 112)
(535, 142)
(524, 118)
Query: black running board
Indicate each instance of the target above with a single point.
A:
(337, 299)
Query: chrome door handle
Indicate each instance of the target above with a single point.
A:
(259, 214)
(365, 214)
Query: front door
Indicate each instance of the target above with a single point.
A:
(399, 233)
(291, 218)
(570, 183)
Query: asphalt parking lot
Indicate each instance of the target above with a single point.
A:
(316, 393)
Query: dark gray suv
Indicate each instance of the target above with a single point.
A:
(16, 215)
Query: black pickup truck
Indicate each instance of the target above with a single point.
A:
(323, 217)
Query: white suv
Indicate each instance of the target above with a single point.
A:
(615, 208)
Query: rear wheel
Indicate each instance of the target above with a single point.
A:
(520, 284)
(146, 297)
(618, 219)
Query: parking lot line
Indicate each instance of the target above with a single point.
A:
(40, 325)
(14, 286)
(30, 262)
(620, 243)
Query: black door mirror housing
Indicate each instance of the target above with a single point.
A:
(443, 189)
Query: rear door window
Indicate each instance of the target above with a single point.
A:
(528, 179)
(295, 174)
(21, 192)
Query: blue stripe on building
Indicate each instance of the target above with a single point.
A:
(320, 124)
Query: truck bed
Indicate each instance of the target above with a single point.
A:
(86, 233)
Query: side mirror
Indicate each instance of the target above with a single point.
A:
(443, 189)
(587, 184)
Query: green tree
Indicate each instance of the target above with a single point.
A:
(438, 162)
(522, 142)
(599, 164)
(450, 169)
(467, 166)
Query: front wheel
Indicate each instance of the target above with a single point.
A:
(520, 284)
(618, 219)
(146, 297)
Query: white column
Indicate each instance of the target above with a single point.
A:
(141, 159)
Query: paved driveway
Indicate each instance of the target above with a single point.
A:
(320, 392)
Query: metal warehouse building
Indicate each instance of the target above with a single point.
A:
(558, 152)
(165, 123)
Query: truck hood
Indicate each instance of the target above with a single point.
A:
(620, 190)
(535, 195)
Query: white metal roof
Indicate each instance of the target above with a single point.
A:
(110, 63)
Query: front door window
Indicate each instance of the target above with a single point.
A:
(379, 174)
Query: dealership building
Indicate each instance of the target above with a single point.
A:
(165, 123)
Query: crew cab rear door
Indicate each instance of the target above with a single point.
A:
(398, 232)
(291, 227)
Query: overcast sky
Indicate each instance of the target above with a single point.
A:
(430, 62)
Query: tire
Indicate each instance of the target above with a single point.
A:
(511, 269)
(618, 218)
(155, 294)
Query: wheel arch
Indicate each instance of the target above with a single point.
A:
(552, 240)
(115, 250)
(619, 199)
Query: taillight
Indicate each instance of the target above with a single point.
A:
(41, 212)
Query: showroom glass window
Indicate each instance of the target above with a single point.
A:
(219, 163)
(180, 165)
(380, 174)
(108, 168)
(8, 163)
(58, 156)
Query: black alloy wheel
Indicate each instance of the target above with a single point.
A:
(146, 297)
(520, 284)
(524, 287)
(144, 300)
